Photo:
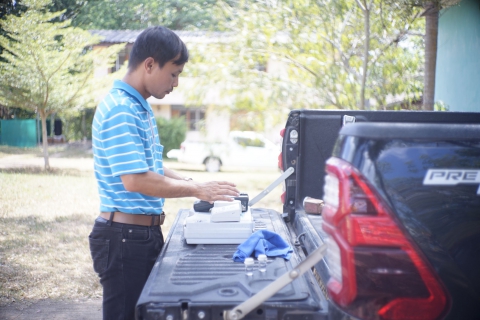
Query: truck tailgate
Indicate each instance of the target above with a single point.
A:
(201, 281)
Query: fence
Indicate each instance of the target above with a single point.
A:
(18, 132)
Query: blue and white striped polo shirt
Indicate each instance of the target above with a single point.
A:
(125, 140)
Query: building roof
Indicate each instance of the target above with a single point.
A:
(117, 36)
(129, 36)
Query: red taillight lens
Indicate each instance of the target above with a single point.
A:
(376, 271)
(283, 197)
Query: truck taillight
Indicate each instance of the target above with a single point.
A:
(334, 261)
(376, 271)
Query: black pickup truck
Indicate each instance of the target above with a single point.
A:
(401, 221)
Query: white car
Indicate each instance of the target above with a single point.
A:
(241, 149)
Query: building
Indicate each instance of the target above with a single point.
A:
(457, 82)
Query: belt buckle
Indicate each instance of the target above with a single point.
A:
(162, 218)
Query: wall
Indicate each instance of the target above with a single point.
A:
(458, 57)
(164, 111)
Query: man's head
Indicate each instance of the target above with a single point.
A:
(160, 43)
(158, 55)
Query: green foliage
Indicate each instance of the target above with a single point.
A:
(6, 8)
(407, 7)
(172, 132)
(77, 127)
(441, 106)
(70, 9)
(49, 67)
(138, 14)
(314, 54)
(16, 113)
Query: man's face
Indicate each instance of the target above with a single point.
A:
(161, 81)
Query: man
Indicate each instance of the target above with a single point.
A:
(132, 181)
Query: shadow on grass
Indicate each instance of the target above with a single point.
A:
(64, 150)
(36, 170)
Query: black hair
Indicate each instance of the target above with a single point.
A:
(160, 43)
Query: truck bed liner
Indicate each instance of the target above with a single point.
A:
(191, 281)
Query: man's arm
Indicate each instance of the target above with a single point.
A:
(173, 174)
(157, 185)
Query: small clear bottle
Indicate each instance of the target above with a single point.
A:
(262, 262)
(249, 263)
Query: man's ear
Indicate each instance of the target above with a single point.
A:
(148, 64)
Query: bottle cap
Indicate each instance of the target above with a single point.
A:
(249, 261)
(262, 257)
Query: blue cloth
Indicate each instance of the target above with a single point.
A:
(263, 242)
(124, 141)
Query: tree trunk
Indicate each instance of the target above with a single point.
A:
(431, 37)
(43, 116)
(366, 13)
(84, 129)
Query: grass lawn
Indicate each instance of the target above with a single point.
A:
(45, 219)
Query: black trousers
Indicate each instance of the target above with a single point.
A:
(123, 256)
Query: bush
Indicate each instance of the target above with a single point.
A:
(75, 127)
(172, 132)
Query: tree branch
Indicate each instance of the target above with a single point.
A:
(296, 62)
(361, 5)
(301, 65)
(343, 57)
(60, 65)
(43, 77)
(78, 90)
(397, 38)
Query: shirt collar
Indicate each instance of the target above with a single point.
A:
(118, 84)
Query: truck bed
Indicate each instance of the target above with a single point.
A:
(201, 281)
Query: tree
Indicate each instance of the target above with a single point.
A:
(6, 8)
(138, 14)
(431, 14)
(173, 132)
(49, 67)
(325, 54)
(431, 40)
(9, 7)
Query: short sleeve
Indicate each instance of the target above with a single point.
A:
(122, 137)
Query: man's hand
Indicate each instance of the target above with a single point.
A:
(216, 190)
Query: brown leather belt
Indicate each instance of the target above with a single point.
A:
(137, 219)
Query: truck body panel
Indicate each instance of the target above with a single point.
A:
(430, 177)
